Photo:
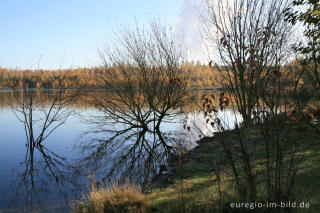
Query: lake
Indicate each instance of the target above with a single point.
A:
(80, 147)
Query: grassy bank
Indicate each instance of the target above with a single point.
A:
(194, 186)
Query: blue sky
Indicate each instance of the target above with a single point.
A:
(67, 33)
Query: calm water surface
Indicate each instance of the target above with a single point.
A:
(49, 176)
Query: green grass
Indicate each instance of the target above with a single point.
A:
(194, 189)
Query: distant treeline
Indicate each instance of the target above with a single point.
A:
(51, 79)
(200, 75)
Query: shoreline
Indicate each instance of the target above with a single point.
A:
(164, 179)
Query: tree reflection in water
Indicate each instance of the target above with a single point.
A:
(42, 172)
(143, 70)
(128, 153)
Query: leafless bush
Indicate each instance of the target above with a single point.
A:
(250, 41)
(143, 70)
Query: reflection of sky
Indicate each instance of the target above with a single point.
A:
(11, 143)
(199, 127)
(13, 148)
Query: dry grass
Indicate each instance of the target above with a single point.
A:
(125, 198)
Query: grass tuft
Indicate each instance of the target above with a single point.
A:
(116, 199)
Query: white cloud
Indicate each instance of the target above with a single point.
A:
(189, 26)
